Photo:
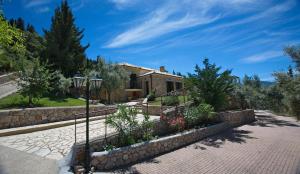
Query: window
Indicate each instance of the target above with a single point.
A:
(178, 85)
(133, 81)
(170, 86)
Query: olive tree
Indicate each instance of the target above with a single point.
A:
(33, 79)
(113, 76)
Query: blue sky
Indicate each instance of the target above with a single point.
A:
(246, 36)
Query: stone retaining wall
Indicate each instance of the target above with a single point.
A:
(30, 116)
(237, 118)
(131, 154)
(126, 155)
(154, 109)
(98, 143)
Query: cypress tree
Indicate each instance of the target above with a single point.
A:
(63, 48)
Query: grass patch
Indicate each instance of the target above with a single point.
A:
(157, 100)
(16, 100)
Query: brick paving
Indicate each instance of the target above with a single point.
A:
(271, 145)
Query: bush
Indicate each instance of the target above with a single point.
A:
(125, 122)
(59, 85)
(170, 101)
(64, 85)
(176, 123)
(204, 113)
(146, 127)
(151, 96)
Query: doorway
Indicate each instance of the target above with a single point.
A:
(147, 88)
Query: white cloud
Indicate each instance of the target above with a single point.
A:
(173, 16)
(120, 4)
(262, 57)
(177, 15)
(43, 10)
(267, 13)
(35, 3)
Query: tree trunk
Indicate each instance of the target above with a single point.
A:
(109, 96)
(30, 101)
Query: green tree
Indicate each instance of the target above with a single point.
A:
(209, 85)
(254, 94)
(11, 45)
(63, 48)
(34, 43)
(34, 79)
(294, 53)
(113, 76)
(290, 88)
(253, 81)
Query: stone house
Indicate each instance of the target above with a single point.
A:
(143, 80)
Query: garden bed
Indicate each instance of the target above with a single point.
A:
(119, 157)
(168, 141)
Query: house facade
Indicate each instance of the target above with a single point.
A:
(144, 80)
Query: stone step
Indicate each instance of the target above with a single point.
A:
(40, 127)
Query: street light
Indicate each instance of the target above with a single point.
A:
(79, 82)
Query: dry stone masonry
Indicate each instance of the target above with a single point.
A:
(106, 160)
(31, 116)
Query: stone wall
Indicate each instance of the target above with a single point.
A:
(98, 143)
(237, 118)
(131, 154)
(31, 116)
(127, 155)
(154, 109)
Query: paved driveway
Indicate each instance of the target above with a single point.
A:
(269, 146)
(16, 162)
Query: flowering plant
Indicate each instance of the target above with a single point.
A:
(176, 123)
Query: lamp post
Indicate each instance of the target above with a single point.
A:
(95, 83)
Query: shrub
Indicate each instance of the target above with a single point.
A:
(64, 85)
(201, 114)
(125, 122)
(207, 112)
(192, 116)
(59, 85)
(146, 127)
(109, 147)
(170, 101)
(151, 96)
(175, 123)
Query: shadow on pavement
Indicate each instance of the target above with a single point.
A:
(271, 121)
(128, 170)
(133, 170)
(233, 135)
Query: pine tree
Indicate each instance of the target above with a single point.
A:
(30, 28)
(63, 48)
